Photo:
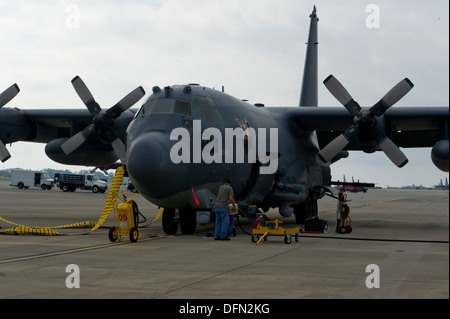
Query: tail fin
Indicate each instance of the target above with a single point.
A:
(309, 93)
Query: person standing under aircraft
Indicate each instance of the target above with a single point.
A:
(225, 196)
(341, 210)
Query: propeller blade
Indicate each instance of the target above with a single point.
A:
(127, 102)
(4, 153)
(342, 95)
(85, 95)
(119, 149)
(8, 94)
(103, 120)
(75, 141)
(393, 152)
(338, 144)
(393, 96)
(333, 148)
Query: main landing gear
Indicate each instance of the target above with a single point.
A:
(184, 218)
(307, 210)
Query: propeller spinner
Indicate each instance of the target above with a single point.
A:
(103, 121)
(5, 97)
(365, 121)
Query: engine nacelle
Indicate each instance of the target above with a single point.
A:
(439, 155)
(88, 154)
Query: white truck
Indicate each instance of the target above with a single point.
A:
(25, 179)
(70, 182)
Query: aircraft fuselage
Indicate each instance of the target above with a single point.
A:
(185, 140)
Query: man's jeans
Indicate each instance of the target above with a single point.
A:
(222, 221)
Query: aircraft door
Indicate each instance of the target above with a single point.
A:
(245, 168)
(259, 184)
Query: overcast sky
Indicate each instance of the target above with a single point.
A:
(255, 48)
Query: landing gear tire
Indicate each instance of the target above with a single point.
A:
(300, 214)
(188, 220)
(170, 222)
(306, 210)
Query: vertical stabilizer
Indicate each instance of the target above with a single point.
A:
(309, 93)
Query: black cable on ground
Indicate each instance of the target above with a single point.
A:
(379, 239)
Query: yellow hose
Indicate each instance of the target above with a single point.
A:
(49, 231)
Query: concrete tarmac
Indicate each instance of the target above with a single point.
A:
(404, 233)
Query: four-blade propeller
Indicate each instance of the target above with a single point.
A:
(364, 127)
(5, 97)
(103, 121)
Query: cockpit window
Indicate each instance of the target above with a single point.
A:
(183, 108)
(201, 108)
(165, 107)
(205, 109)
(207, 114)
(204, 101)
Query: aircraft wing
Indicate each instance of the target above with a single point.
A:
(56, 127)
(70, 134)
(407, 127)
(378, 128)
(48, 124)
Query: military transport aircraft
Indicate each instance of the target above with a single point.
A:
(185, 139)
(442, 186)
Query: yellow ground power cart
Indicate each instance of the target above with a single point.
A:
(126, 219)
(273, 229)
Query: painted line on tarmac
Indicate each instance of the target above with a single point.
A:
(72, 251)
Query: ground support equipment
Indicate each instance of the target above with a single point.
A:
(273, 229)
(345, 224)
(126, 219)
